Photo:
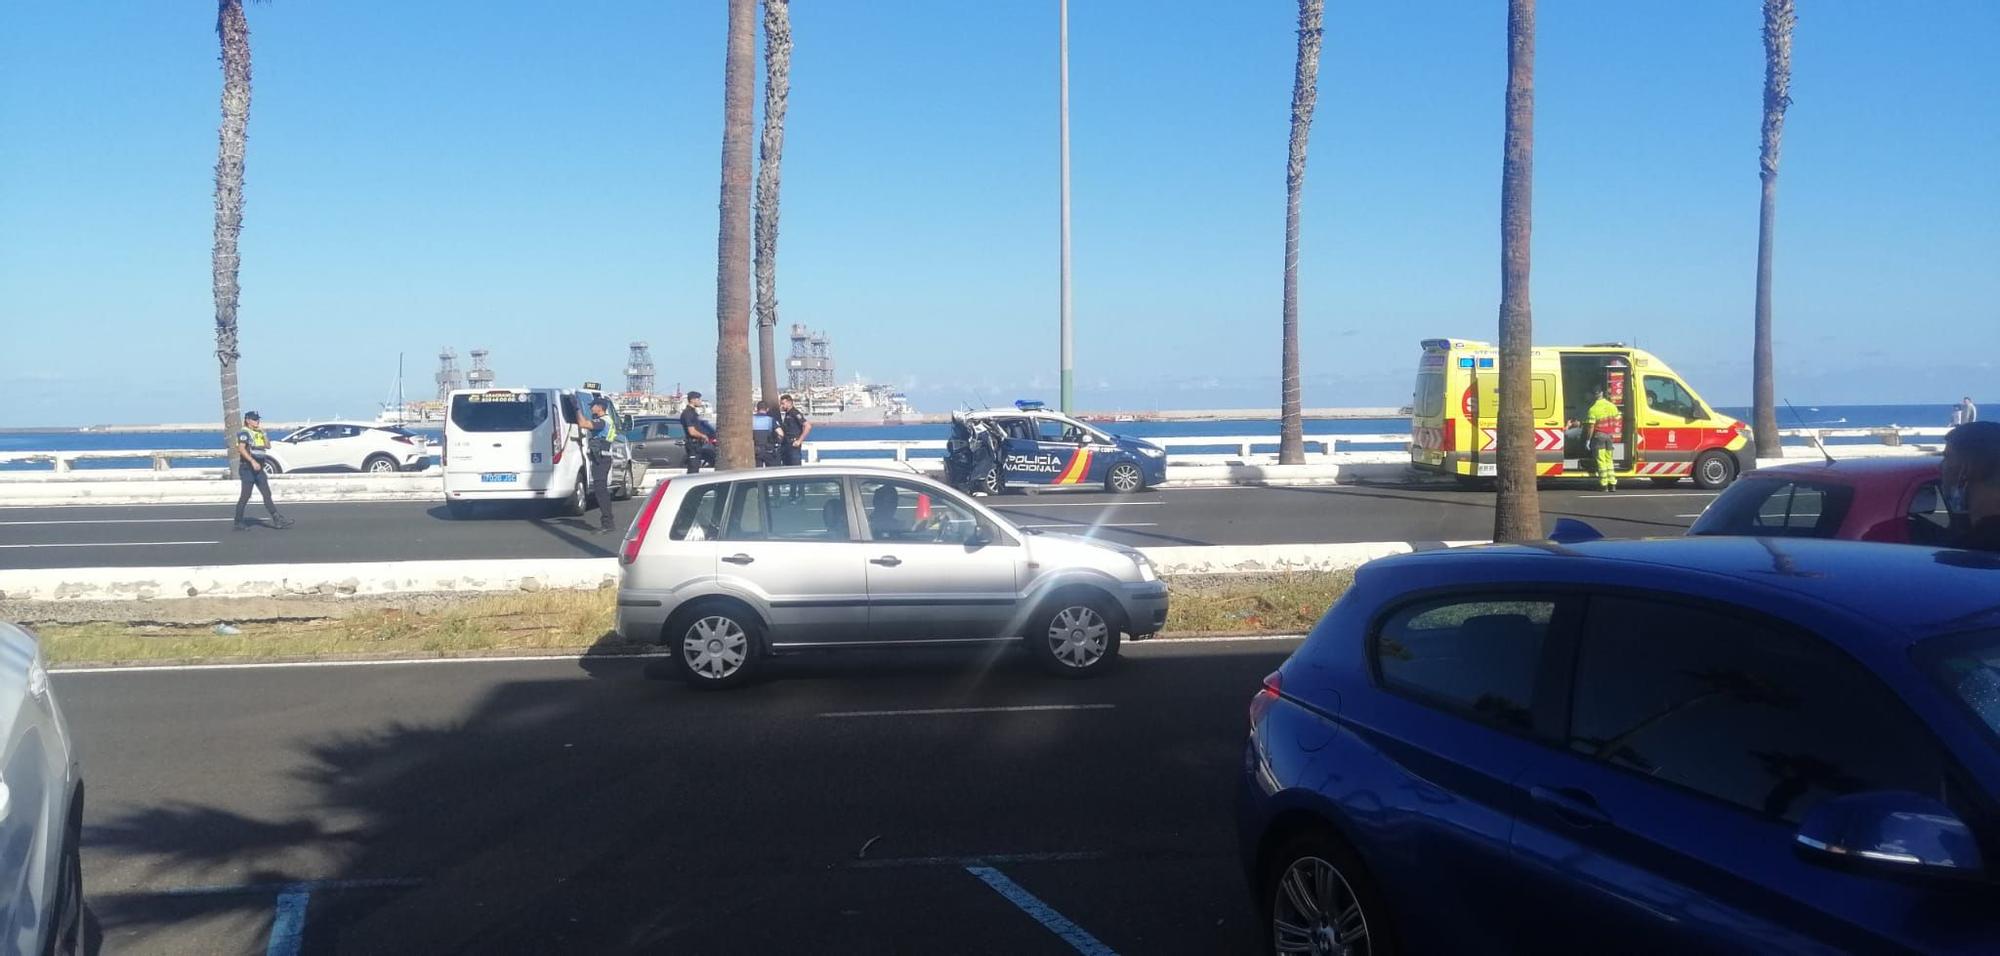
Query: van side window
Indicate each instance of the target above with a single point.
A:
(569, 408)
(1478, 656)
(1667, 395)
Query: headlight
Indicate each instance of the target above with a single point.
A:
(1153, 452)
(1147, 572)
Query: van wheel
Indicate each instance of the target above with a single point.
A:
(379, 465)
(716, 647)
(579, 499)
(621, 490)
(1714, 470)
(1074, 636)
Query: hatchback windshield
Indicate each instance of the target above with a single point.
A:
(1968, 667)
(499, 411)
(1777, 507)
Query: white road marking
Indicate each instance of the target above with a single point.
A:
(116, 521)
(1655, 494)
(108, 544)
(1094, 524)
(986, 859)
(1077, 504)
(943, 711)
(1135, 647)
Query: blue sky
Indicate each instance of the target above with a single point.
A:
(543, 184)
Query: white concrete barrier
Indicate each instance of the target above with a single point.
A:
(533, 574)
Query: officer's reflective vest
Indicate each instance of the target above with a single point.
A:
(254, 437)
(1606, 420)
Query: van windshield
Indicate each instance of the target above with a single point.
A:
(499, 411)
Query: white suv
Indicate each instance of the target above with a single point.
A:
(742, 565)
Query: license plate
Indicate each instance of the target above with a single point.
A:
(498, 476)
(1488, 469)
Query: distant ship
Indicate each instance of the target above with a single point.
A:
(855, 403)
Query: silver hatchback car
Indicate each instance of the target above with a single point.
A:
(731, 567)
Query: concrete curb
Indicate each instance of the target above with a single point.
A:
(534, 574)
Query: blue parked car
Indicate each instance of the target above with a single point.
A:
(1692, 745)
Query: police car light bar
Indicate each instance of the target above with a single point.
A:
(1028, 405)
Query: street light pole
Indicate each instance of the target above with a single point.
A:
(1068, 365)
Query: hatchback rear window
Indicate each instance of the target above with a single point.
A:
(1777, 507)
(1475, 655)
(499, 411)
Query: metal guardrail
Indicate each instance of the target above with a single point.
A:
(1322, 447)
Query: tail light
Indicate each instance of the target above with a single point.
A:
(1266, 696)
(637, 539)
(555, 445)
(1451, 434)
(405, 439)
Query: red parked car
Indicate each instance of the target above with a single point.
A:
(1894, 500)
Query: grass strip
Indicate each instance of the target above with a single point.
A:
(574, 621)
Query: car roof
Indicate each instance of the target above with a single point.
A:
(1856, 470)
(1916, 591)
(1017, 413)
(809, 471)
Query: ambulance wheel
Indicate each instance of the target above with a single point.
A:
(1125, 478)
(1666, 482)
(1713, 470)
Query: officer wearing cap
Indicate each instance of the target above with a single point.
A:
(253, 448)
(600, 429)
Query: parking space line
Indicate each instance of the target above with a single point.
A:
(288, 924)
(114, 521)
(1055, 922)
(107, 544)
(942, 711)
(985, 859)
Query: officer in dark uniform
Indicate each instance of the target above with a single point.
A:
(700, 439)
(600, 430)
(792, 431)
(253, 450)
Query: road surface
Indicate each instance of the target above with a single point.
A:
(184, 535)
(913, 802)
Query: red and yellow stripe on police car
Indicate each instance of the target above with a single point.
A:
(1079, 466)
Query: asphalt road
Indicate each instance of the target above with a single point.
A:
(911, 803)
(179, 535)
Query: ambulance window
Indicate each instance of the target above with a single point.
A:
(1667, 395)
(1430, 395)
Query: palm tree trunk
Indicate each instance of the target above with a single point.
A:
(770, 159)
(1778, 20)
(1305, 92)
(732, 280)
(234, 31)
(1517, 509)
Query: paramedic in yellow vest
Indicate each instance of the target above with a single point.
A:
(1604, 423)
(253, 448)
(600, 429)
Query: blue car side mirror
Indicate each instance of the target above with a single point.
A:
(1572, 531)
(1890, 832)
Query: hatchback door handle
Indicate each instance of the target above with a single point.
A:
(739, 559)
(887, 561)
(1575, 807)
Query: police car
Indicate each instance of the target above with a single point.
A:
(1045, 448)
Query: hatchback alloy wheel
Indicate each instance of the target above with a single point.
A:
(1078, 636)
(1125, 478)
(1315, 911)
(715, 647)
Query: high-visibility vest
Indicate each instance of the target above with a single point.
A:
(254, 437)
(1606, 420)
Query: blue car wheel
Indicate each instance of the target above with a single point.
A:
(1316, 898)
(1125, 478)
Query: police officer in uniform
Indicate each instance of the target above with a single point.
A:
(253, 448)
(700, 440)
(792, 431)
(764, 434)
(1604, 423)
(600, 429)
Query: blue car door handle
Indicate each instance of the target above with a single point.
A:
(1575, 807)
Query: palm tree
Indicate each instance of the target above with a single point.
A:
(1778, 20)
(1517, 514)
(770, 156)
(732, 278)
(1305, 92)
(234, 31)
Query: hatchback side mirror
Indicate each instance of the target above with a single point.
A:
(1891, 833)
